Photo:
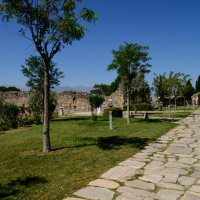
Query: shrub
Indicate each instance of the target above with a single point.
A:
(10, 113)
(116, 112)
(140, 107)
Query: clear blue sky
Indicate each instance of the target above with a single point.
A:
(171, 28)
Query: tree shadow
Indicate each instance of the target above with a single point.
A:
(70, 119)
(115, 142)
(162, 119)
(17, 186)
(111, 142)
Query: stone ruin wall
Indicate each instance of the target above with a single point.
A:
(17, 98)
(71, 102)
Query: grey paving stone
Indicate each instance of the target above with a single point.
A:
(95, 193)
(186, 181)
(119, 173)
(166, 194)
(191, 196)
(153, 178)
(176, 171)
(170, 177)
(132, 163)
(198, 182)
(187, 160)
(104, 183)
(128, 197)
(72, 198)
(196, 174)
(170, 186)
(135, 192)
(176, 165)
(140, 184)
(195, 188)
(179, 150)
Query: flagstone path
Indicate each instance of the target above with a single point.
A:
(168, 169)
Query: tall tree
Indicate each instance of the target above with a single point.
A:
(50, 24)
(188, 90)
(159, 85)
(131, 63)
(34, 71)
(197, 85)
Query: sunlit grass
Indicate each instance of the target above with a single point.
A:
(82, 151)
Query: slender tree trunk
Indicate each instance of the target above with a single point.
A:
(128, 107)
(46, 136)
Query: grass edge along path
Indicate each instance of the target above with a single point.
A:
(82, 151)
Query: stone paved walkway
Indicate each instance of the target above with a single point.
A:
(168, 169)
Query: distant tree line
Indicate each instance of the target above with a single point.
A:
(8, 89)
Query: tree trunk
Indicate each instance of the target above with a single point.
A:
(128, 107)
(46, 136)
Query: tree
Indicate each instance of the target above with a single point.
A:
(131, 62)
(104, 89)
(188, 90)
(50, 24)
(197, 85)
(34, 71)
(95, 102)
(160, 86)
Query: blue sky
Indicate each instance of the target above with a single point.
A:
(171, 29)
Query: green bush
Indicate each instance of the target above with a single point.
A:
(26, 121)
(140, 107)
(10, 113)
(116, 112)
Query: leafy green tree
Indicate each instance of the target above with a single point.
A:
(34, 71)
(197, 85)
(50, 25)
(131, 62)
(188, 90)
(95, 102)
(104, 89)
(160, 86)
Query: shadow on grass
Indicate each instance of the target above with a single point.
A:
(70, 119)
(115, 142)
(163, 119)
(17, 186)
(111, 142)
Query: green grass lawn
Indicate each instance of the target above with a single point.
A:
(171, 114)
(82, 151)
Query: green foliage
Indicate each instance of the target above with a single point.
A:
(116, 112)
(10, 114)
(34, 70)
(104, 89)
(95, 102)
(188, 90)
(140, 107)
(51, 23)
(8, 89)
(131, 62)
(197, 85)
(171, 85)
(36, 105)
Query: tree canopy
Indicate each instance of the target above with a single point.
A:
(131, 61)
(197, 85)
(34, 71)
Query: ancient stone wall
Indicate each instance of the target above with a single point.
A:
(68, 101)
(196, 98)
(116, 99)
(16, 97)
(73, 102)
